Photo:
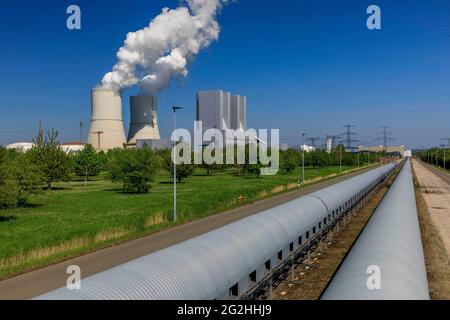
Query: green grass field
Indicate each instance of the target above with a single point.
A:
(74, 219)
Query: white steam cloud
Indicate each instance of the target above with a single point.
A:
(152, 56)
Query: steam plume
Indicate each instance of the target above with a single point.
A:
(152, 56)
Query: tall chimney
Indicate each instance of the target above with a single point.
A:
(106, 131)
(144, 119)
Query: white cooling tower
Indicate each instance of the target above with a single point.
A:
(143, 119)
(106, 131)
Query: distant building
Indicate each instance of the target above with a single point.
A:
(20, 146)
(238, 113)
(154, 144)
(307, 148)
(330, 144)
(213, 109)
(377, 149)
(73, 147)
(221, 110)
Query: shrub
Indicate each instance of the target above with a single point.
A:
(19, 178)
(134, 168)
(87, 163)
(53, 162)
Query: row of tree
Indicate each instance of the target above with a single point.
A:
(24, 174)
(436, 156)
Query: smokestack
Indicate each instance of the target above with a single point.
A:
(144, 119)
(106, 131)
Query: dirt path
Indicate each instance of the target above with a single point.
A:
(437, 259)
(436, 193)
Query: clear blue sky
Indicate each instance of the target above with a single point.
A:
(309, 66)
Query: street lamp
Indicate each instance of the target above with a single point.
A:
(358, 159)
(303, 159)
(174, 109)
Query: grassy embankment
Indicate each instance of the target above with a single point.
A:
(74, 219)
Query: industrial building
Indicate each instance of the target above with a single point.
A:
(20, 146)
(214, 109)
(238, 113)
(221, 110)
(218, 109)
(377, 149)
(73, 147)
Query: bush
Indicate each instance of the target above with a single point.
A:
(183, 170)
(19, 178)
(134, 168)
(53, 162)
(87, 163)
(289, 160)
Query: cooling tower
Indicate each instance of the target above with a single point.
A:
(106, 131)
(143, 119)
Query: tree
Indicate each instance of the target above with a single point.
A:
(87, 163)
(289, 160)
(19, 178)
(183, 170)
(53, 162)
(134, 168)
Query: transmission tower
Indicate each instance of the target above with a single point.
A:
(448, 142)
(348, 141)
(330, 139)
(313, 141)
(386, 137)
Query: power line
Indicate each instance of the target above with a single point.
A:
(348, 141)
(314, 141)
(386, 138)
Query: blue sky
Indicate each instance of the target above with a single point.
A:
(305, 66)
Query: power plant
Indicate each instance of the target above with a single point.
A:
(217, 109)
(106, 131)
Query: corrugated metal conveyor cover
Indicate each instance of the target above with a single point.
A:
(206, 267)
(335, 196)
(388, 249)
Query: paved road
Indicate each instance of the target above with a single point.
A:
(41, 281)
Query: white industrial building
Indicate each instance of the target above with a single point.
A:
(307, 148)
(73, 147)
(218, 109)
(238, 113)
(20, 146)
(214, 109)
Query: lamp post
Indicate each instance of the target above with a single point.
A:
(174, 109)
(358, 159)
(444, 158)
(303, 159)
